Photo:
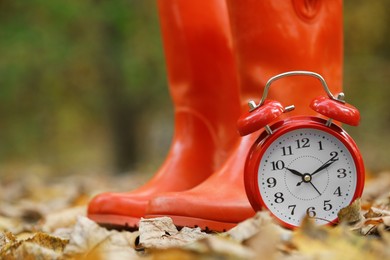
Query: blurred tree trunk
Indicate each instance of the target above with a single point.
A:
(120, 110)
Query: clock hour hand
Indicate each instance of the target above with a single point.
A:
(295, 172)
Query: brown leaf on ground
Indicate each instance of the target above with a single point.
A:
(377, 190)
(62, 219)
(161, 233)
(89, 239)
(326, 242)
(250, 227)
(351, 214)
(262, 235)
(39, 246)
(211, 247)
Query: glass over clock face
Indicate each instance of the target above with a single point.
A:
(307, 171)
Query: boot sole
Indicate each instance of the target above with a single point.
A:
(117, 222)
(131, 223)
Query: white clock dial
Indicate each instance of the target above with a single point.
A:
(307, 172)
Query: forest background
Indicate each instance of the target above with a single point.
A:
(83, 86)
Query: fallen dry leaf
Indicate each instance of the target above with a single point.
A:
(39, 246)
(10, 224)
(262, 235)
(161, 239)
(221, 247)
(250, 227)
(376, 188)
(87, 238)
(351, 214)
(161, 233)
(62, 219)
(28, 250)
(324, 242)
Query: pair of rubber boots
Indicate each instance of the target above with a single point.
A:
(219, 54)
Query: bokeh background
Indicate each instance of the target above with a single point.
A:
(83, 85)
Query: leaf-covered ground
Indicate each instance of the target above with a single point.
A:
(44, 218)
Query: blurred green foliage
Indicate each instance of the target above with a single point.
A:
(76, 77)
(83, 85)
(367, 77)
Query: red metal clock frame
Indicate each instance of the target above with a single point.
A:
(281, 127)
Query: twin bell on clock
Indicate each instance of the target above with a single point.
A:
(303, 165)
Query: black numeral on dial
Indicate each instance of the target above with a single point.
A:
(279, 197)
(271, 182)
(320, 145)
(327, 205)
(287, 150)
(292, 208)
(278, 165)
(342, 173)
(334, 156)
(311, 212)
(303, 143)
(337, 192)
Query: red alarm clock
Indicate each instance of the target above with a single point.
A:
(303, 165)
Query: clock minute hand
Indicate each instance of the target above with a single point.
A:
(325, 165)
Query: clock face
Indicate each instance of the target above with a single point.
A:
(307, 172)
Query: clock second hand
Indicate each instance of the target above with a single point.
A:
(315, 188)
(308, 181)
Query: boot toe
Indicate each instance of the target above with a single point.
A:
(122, 204)
(215, 206)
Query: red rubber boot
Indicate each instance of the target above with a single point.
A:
(270, 37)
(204, 88)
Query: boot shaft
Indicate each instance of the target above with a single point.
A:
(271, 37)
(201, 68)
(198, 51)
